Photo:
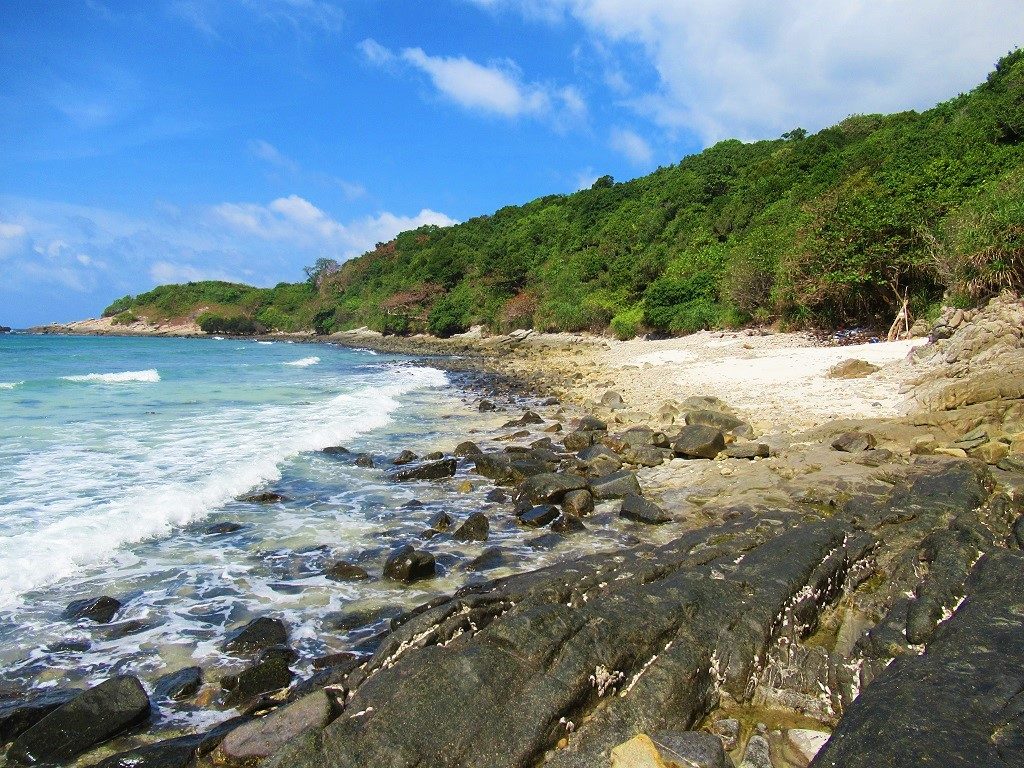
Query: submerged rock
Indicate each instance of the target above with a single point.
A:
(340, 570)
(94, 716)
(99, 609)
(434, 470)
(226, 526)
(408, 565)
(179, 685)
(260, 633)
(266, 497)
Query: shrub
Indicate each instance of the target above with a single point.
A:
(125, 318)
(518, 311)
(626, 324)
(238, 325)
(450, 314)
(119, 306)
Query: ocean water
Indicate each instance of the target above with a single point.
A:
(118, 454)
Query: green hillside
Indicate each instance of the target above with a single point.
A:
(822, 229)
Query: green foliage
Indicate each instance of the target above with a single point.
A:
(119, 306)
(808, 229)
(626, 324)
(237, 325)
(125, 318)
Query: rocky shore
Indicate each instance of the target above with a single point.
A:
(785, 588)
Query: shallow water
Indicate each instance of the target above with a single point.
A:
(116, 455)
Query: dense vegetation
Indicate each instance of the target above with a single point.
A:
(830, 228)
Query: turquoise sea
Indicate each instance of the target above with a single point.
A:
(118, 454)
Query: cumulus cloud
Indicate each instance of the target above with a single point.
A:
(497, 87)
(297, 221)
(752, 69)
(632, 145)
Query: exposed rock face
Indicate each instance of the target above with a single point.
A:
(564, 663)
(19, 714)
(91, 718)
(260, 738)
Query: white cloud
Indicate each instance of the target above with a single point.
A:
(497, 87)
(297, 221)
(752, 69)
(632, 145)
(275, 158)
(268, 153)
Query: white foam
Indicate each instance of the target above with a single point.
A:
(218, 338)
(150, 376)
(264, 342)
(148, 478)
(304, 362)
(10, 384)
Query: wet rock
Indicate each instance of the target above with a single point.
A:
(545, 541)
(615, 486)
(758, 753)
(467, 448)
(342, 658)
(179, 685)
(539, 516)
(568, 524)
(641, 510)
(441, 522)
(728, 731)
(226, 526)
(486, 405)
(434, 456)
(364, 460)
(341, 570)
(91, 718)
(489, 559)
(803, 744)
(408, 565)
(599, 460)
(698, 441)
(434, 470)
(413, 504)
(99, 609)
(258, 634)
(505, 470)
(180, 752)
(270, 672)
(124, 629)
(404, 458)
(747, 451)
(335, 450)
(345, 621)
(260, 738)
(475, 528)
(549, 487)
(529, 417)
(852, 368)
(854, 442)
(496, 495)
(578, 503)
(19, 714)
(265, 497)
(670, 749)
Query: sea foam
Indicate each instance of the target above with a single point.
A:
(304, 362)
(151, 479)
(10, 384)
(150, 376)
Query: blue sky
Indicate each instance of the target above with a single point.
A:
(172, 140)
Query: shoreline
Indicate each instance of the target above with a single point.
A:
(781, 500)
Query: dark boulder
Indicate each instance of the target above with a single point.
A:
(93, 717)
(19, 714)
(434, 456)
(854, 442)
(529, 417)
(568, 524)
(408, 565)
(270, 672)
(578, 440)
(441, 522)
(335, 450)
(488, 560)
(539, 516)
(505, 470)
(643, 511)
(549, 487)
(99, 609)
(599, 460)
(578, 503)
(340, 570)
(467, 448)
(266, 497)
(404, 458)
(615, 486)
(723, 422)
(645, 455)
(364, 460)
(179, 685)
(496, 495)
(180, 752)
(260, 633)
(591, 424)
(698, 441)
(475, 528)
(747, 451)
(433, 470)
(226, 526)
(486, 405)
